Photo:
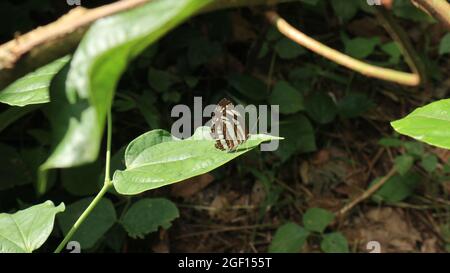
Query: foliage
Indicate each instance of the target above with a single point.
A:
(137, 64)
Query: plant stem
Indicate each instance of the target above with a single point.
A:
(366, 69)
(83, 216)
(106, 186)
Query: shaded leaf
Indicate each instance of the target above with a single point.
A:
(287, 49)
(287, 97)
(321, 107)
(334, 243)
(397, 188)
(146, 215)
(98, 222)
(317, 219)
(289, 238)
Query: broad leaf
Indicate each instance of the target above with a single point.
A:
(80, 111)
(99, 221)
(33, 88)
(26, 230)
(444, 46)
(289, 98)
(321, 107)
(334, 243)
(397, 188)
(317, 219)
(146, 215)
(299, 136)
(153, 161)
(287, 49)
(248, 86)
(403, 163)
(289, 238)
(429, 124)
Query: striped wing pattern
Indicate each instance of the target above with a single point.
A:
(226, 128)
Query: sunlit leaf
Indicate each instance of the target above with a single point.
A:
(26, 230)
(33, 88)
(153, 160)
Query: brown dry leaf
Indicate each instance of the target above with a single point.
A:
(430, 245)
(321, 157)
(162, 246)
(304, 172)
(191, 186)
(442, 154)
(390, 228)
(217, 205)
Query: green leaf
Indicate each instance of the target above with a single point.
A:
(361, 47)
(317, 219)
(84, 100)
(248, 86)
(152, 164)
(201, 50)
(390, 142)
(429, 124)
(287, 49)
(405, 9)
(394, 52)
(444, 46)
(429, 163)
(334, 243)
(299, 136)
(403, 163)
(287, 97)
(99, 221)
(289, 238)
(345, 9)
(26, 230)
(146, 215)
(397, 188)
(160, 80)
(33, 88)
(353, 105)
(321, 107)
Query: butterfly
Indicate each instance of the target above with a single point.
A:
(226, 126)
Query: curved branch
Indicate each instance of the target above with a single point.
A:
(45, 44)
(340, 58)
(439, 9)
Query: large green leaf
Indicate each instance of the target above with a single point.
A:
(33, 87)
(429, 124)
(153, 160)
(146, 215)
(334, 242)
(26, 230)
(317, 219)
(99, 221)
(289, 238)
(110, 44)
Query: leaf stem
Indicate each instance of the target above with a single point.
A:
(106, 186)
